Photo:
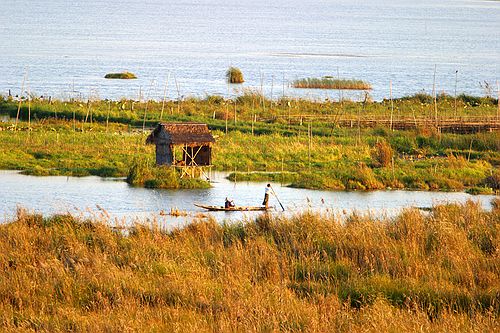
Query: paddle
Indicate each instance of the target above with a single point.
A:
(272, 189)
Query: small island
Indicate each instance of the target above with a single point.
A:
(328, 82)
(123, 76)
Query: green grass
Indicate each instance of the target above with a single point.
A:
(123, 76)
(331, 83)
(104, 138)
(144, 173)
(255, 176)
(434, 271)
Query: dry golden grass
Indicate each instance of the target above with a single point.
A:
(435, 271)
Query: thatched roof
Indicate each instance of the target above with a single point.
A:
(182, 133)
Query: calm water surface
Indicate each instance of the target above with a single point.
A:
(92, 195)
(68, 46)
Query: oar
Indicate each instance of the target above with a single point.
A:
(272, 189)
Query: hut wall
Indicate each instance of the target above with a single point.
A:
(163, 154)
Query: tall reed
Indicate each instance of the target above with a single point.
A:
(434, 271)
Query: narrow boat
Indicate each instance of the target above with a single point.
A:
(231, 209)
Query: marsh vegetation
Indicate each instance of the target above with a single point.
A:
(328, 82)
(234, 75)
(432, 271)
(122, 75)
(303, 143)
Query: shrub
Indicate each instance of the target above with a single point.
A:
(493, 180)
(142, 174)
(234, 75)
(421, 97)
(403, 144)
(383, 153)
(215, 99)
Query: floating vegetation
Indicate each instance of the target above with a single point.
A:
(328, 82)
(122, 76)
(234, 75)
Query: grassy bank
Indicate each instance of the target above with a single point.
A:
(105, 138)
(271, 114)
(433, 271)
(377, 160)
(344, 159)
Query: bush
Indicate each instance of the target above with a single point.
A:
(383, 154)
(215, 99)
(493, 180)
(403, 144)
(142, 174)
(234, 75)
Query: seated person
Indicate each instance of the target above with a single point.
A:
(228, 203)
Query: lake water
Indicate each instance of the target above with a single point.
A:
(68, 46)
(91, 196)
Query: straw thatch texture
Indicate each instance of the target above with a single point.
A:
(190, 134)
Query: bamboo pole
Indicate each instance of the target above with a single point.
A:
(253, 121)
(20, 97)
(227, 110)
(272, 88)
(456, 81)
(178, 95)
(227, 105)
(262, 92)
(358, 139)
(147, 105)
(88, 109)
(498, 101)
(392, 104)
(283, 85)
(164, 96)
(107, 116)
(435, 97)
(341, 97)
(309, 134)
(29, 105)
(470, 150)
(282, 169)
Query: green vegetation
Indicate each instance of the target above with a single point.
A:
(476, 190)
(331, 83)
(148, 175)
(234, 75)
(123, 76)
(283, 177)
(435, 271)
(305, 140)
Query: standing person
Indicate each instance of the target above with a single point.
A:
(266, 196)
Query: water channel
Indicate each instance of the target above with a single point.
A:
(94, 196)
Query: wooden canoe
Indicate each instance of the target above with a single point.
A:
(232, 209)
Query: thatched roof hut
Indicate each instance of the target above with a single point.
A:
(194, 138)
